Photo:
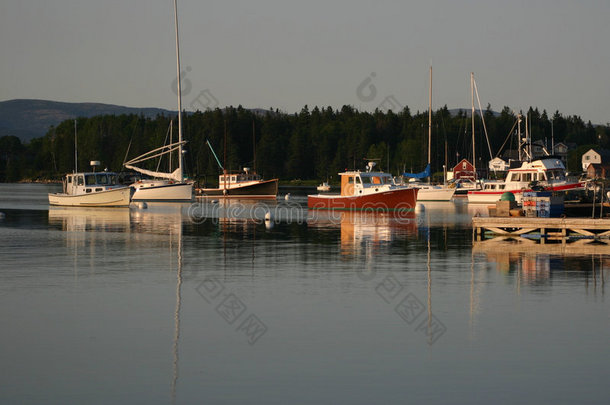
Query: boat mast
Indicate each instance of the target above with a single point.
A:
(430, 124)
(474, 160)
(179, 93)
(519, 137)
(75, 149)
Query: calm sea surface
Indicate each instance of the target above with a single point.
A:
(206, 303)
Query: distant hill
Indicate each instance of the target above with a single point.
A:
(29, 119)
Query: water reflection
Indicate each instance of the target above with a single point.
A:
(89, 230)
(533, 263)
(90, 219)
(365, 232)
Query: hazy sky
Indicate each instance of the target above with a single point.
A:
(285, 54)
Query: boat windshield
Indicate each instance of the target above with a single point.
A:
(102, 179)
(556, 175)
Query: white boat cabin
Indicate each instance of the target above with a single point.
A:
(231, 180)
(356, 183)
(544, 172)
(84, 183)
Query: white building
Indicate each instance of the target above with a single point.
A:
(498, 165)
(593, 156)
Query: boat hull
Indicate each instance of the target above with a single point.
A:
(163, 192)
(263, 189)
(433, 193)
(482, 196)
(118, 197)
(392, 200)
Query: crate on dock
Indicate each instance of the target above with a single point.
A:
(542, 204)
(503, 208)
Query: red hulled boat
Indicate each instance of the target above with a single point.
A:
(366, 191)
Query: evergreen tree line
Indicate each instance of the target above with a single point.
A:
(312, 144)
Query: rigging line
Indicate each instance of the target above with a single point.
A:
(482, 118)
(146, 157)
(510, 134)
(164, 143)
(130, 140)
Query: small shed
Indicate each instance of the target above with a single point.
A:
(598, 170)
(464, 170)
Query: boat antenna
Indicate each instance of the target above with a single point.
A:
(180, 174)
(75, 149)
(224, 148)
(254, 146)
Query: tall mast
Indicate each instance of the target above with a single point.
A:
(253, 147)
(75, 149)
(519, 144)
(179, 93)
(430, 121)
(474, 160)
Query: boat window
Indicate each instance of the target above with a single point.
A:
(350, 179)
(101, 178)
(541, 177)
(359, 180)
(376, 180)
(501, 186)
(89, 179)
(233, 178)
(69, 179)
(514, 177)
(114, 179)
(79, 180)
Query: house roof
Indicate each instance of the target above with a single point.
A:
(604, 153)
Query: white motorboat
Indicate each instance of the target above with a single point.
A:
(323, 187)
(91, 189)
(547, 173)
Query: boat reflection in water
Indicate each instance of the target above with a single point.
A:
(90, 219)
(365, 232)
(533, 263)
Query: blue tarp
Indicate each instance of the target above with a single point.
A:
(424, 174)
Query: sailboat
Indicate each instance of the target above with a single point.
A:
(165, 186)
(428, 192)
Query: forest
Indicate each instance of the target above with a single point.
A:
(310, 145)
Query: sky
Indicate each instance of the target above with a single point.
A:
(551, 54)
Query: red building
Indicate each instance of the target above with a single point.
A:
(463, 170)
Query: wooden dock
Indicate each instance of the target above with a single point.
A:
(543, 228)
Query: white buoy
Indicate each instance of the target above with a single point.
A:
(141, 205)
(269, 221)
(420, 208)
(287, 197)
(214, 202)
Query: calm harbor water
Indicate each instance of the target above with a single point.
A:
(206, 303)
